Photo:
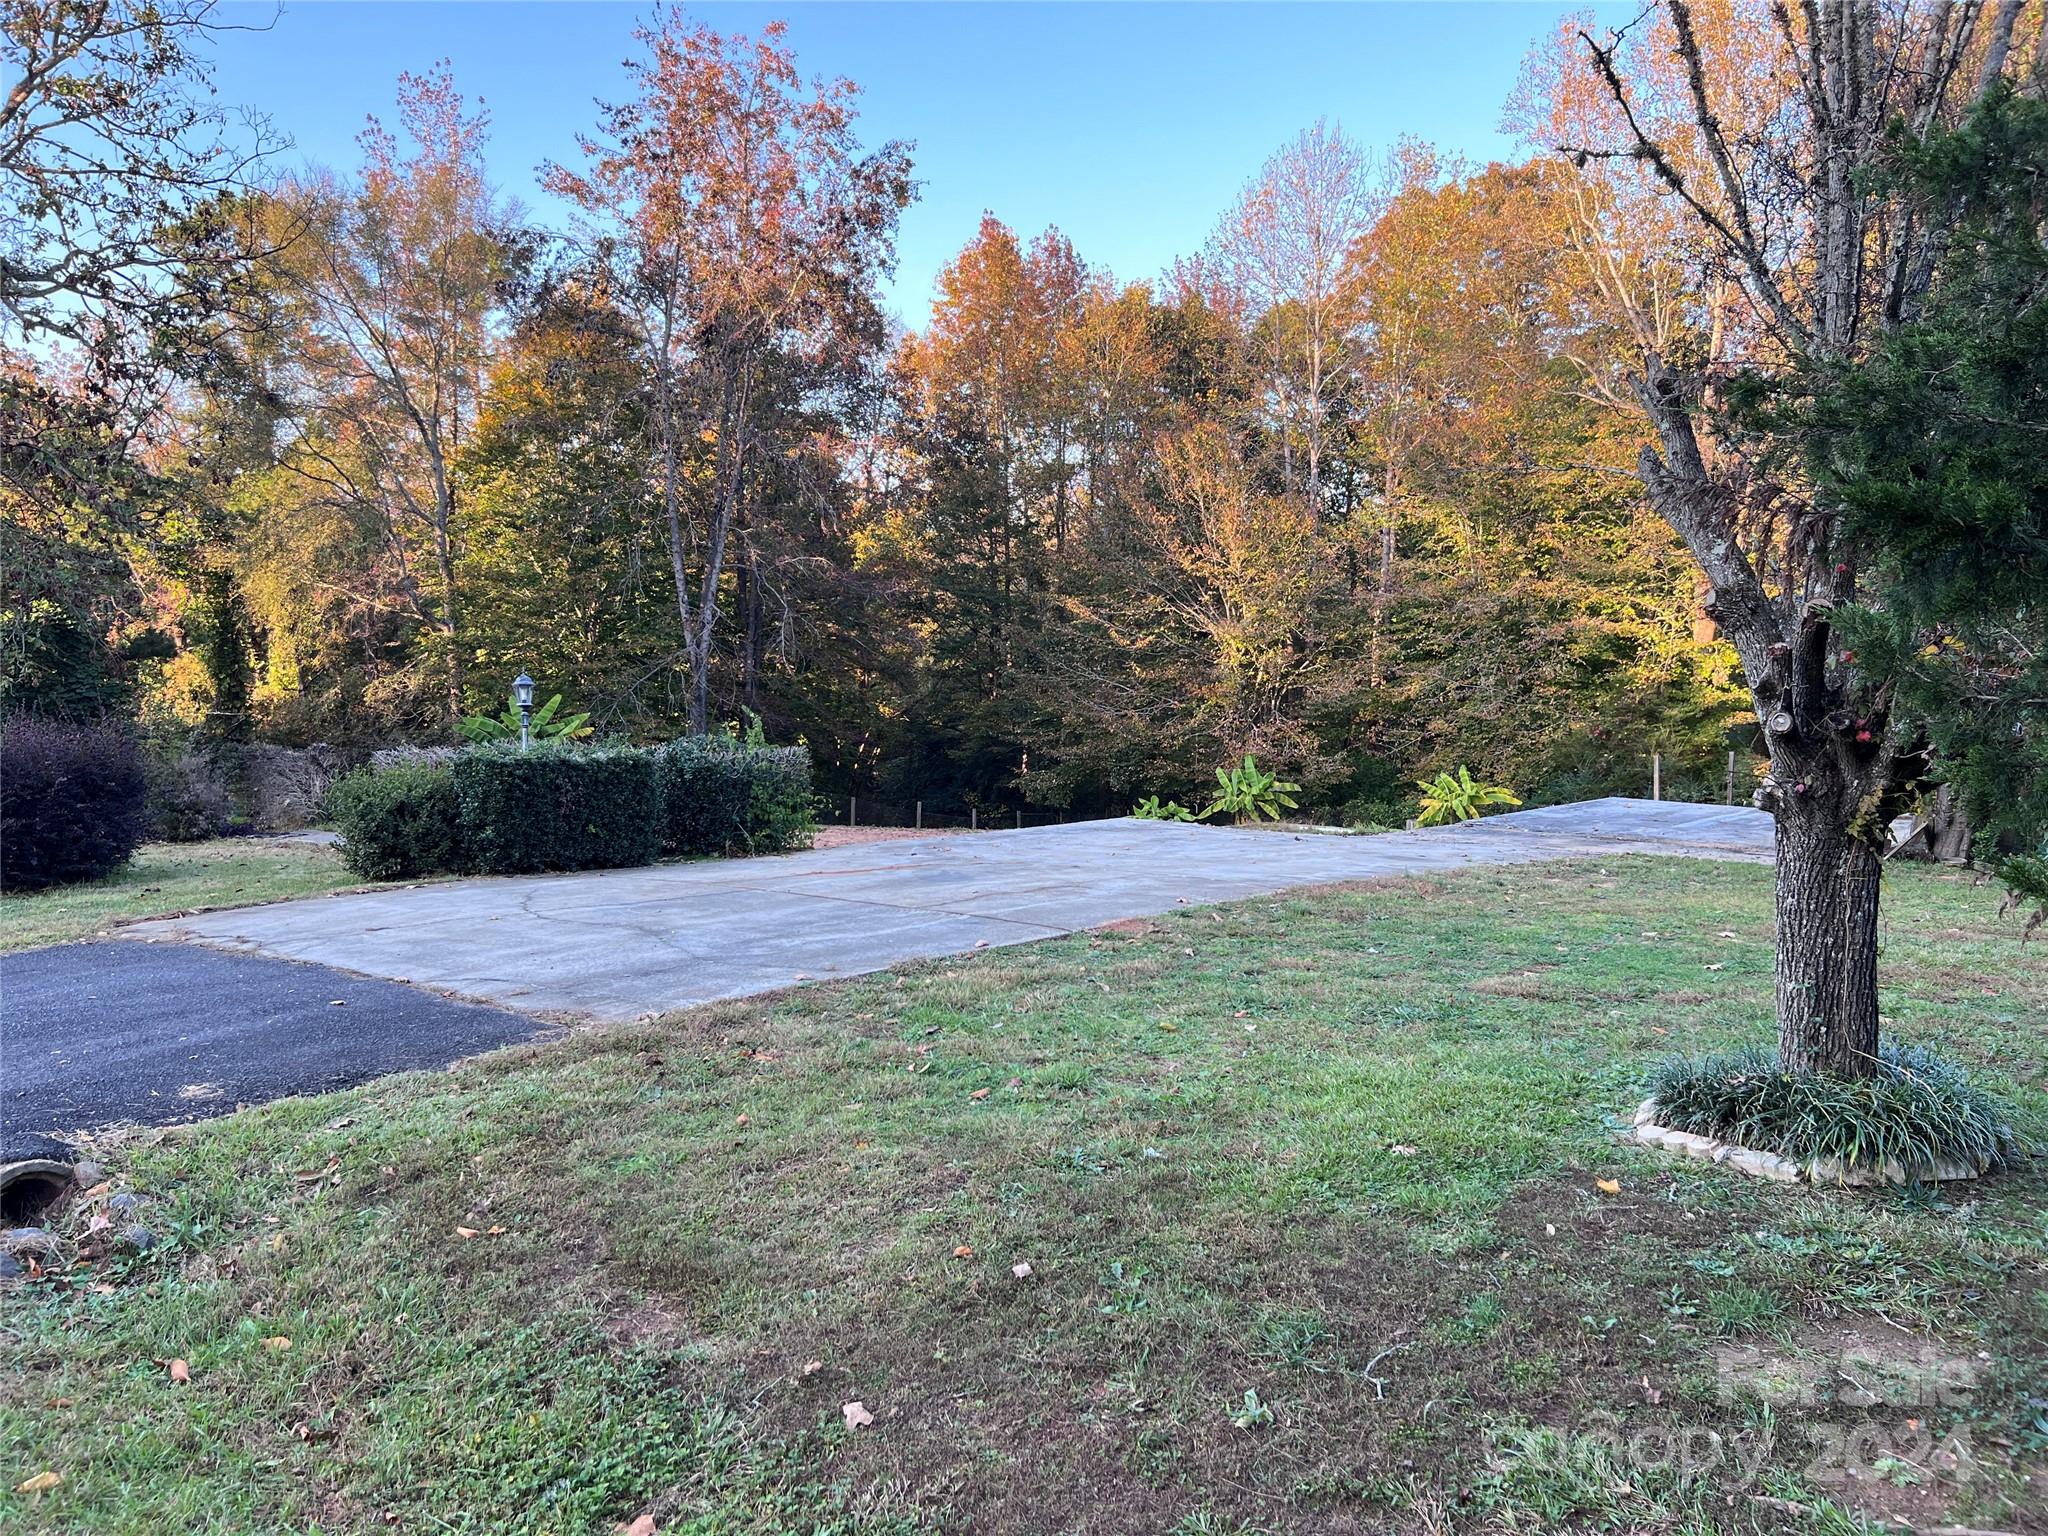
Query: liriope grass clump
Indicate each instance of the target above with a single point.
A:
(1915, 1110)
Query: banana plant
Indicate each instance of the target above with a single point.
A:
(1250, 793)
(543, 727)
(1458, 797)
(1152, 809)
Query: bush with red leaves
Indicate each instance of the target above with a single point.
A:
(73, 802)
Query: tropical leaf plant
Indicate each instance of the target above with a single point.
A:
(1151, 808)
(1249, 793)
(543, 727)
(1459, 797)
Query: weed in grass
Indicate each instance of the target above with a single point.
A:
(1732, 1309)
(1483, 1314)
(1292, 1340)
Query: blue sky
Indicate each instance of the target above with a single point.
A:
(1130, 126)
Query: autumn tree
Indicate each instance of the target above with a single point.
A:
(1283, 251)
(1769, 127)
(400, 279)
(747, 229)
(123, 251)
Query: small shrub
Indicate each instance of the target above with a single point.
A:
(1151, 808)
(74, 802)
(188, 801)
(721, 795)
(558, 806)
(1914, 1110)
(398, 823)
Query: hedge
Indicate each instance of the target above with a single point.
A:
(73, 802)
(557, 806)
(720, 795)
(398, 823)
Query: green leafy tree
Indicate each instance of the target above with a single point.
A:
(1933, 447)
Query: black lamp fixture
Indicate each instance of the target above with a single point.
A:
(522, 695)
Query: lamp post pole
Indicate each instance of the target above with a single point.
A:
(522, 693)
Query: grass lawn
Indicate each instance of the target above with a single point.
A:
(1327, 1227)
(164, 878)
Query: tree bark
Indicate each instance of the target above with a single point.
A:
(1827, 895)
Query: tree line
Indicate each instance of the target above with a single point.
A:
(349, 448)
(1355, 487)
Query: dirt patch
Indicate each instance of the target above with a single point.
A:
(1526, 983)
(851, 837)
(1136, 927)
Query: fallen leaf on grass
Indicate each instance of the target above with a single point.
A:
(642, 1526)
(857, 1415)
(1608, 1186)
(40, 1484)
(979, 1093)
(466, 1233)
(811, 1368)
(963, 1252)
(1021, 1271)
(739, 1120)
(178, 1370)
(280, 1343)
(1402, 1149)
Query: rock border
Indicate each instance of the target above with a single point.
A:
(1786, 1170)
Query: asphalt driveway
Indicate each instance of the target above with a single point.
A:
(622, 944)
(154, 1034)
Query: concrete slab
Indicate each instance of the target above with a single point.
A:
(621, 944)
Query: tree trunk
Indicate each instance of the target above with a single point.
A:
(749, 575)
(444, 563)
(1827, 891)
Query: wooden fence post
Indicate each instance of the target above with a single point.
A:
(1731, 778)
(918, 818)
(1656, 775)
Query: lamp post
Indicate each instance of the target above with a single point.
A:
(522, 694)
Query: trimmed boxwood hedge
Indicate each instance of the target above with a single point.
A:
(721, 795)
(398, 823)
(557, 806)
(73, 802)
